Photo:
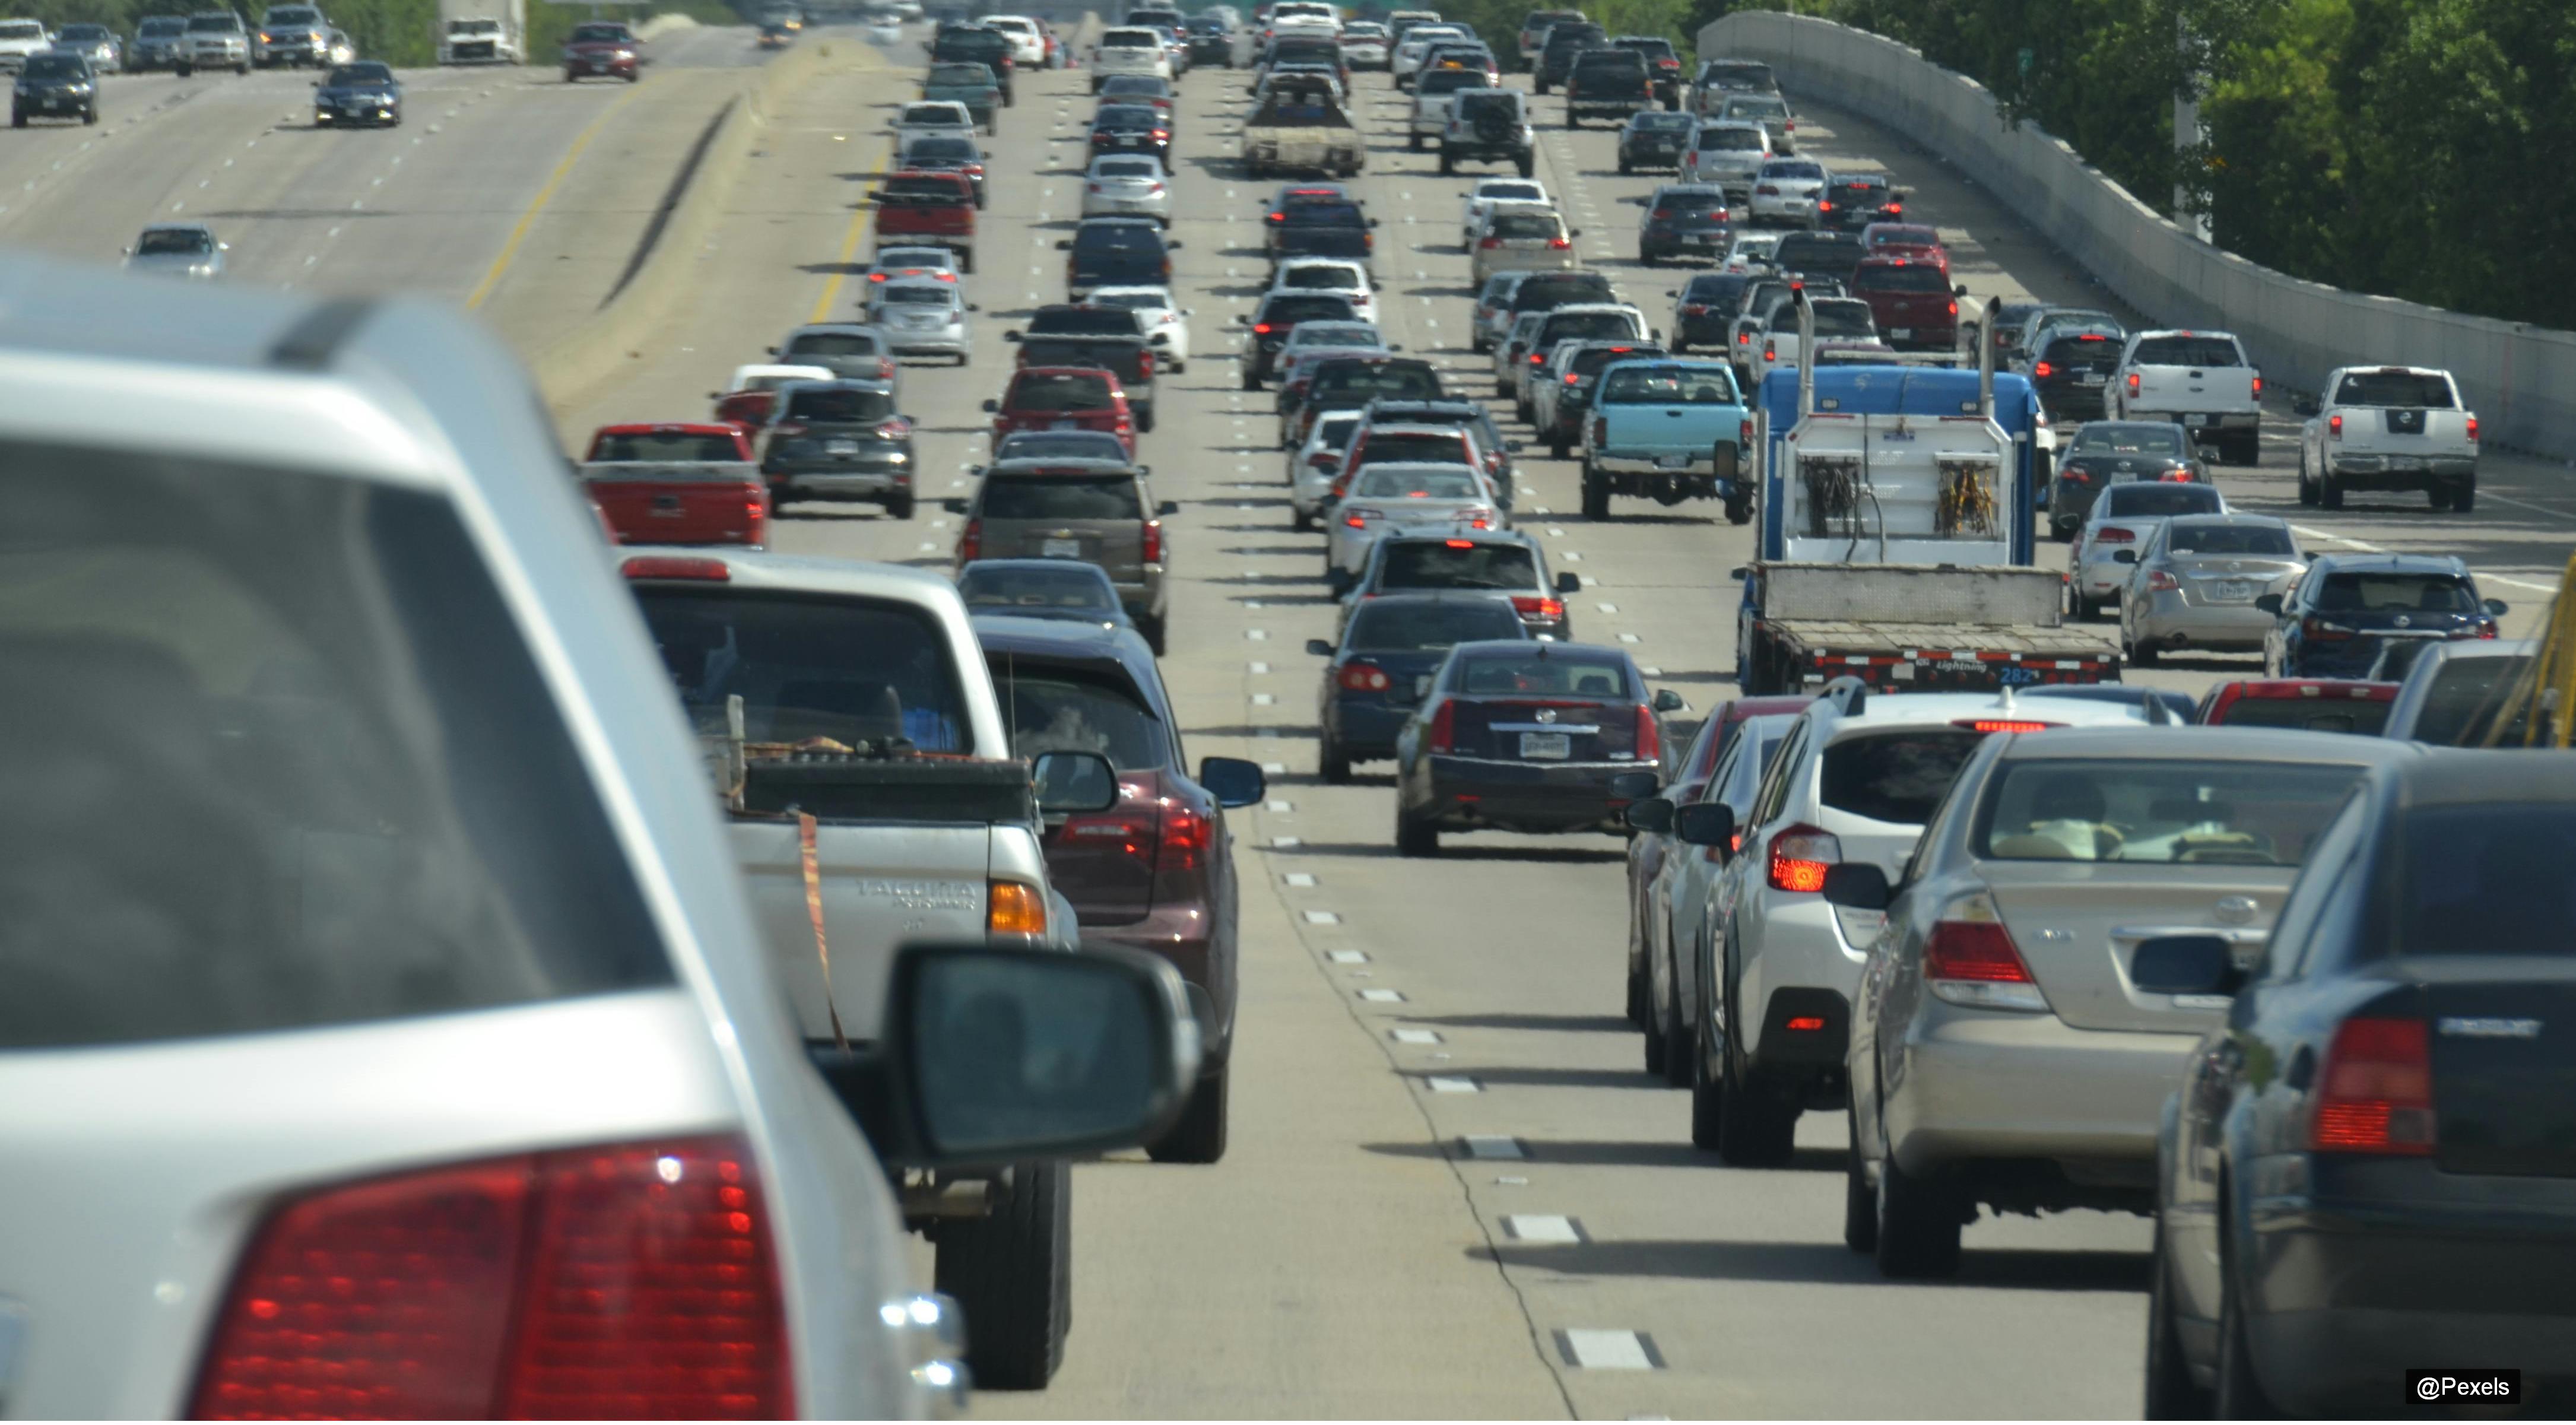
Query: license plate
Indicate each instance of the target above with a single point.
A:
(2092, 378)
(2233, 591)
(1060, 549)
(1672, 462)
(841, 447)
(1064, 425)
(1901, 333)
(2197, 419)
(1547, 746)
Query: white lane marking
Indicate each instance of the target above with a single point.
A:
(1347, 957)
(2368, 548)
(1556, 534)
(1259, 667)
(1535, 509)
(1323, 917)
(1274, 769)
(1628, 638)
(1257, 635)
(1252, 603)
(1588, 580)
(1608, 608)
(1286, 843)
(1441, 1084)
(1262, 700)
(1300, 879)
(1281, 806)
(1646, 672)
(1383, 996)
(1570, 556)
(1493, 1146)
(1595, 1350)
(1541, 1227)
(1414, 1036)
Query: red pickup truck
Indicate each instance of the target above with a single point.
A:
(1064, 398)
(920, 208)
(676, 483)
(1911, 299)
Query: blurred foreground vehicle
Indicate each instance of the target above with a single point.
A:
(387, 1030)
(2372, 1164)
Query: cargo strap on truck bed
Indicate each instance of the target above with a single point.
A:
(812, 860)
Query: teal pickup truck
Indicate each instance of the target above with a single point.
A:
(969, 84)
(1667, 430)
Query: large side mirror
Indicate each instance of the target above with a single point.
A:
(1569, 583)
(1168, 507)
(2268, 603)
(1072, 782)
(1320, 647)
(2497, 607)
(1233, 781)
(1706, 824)
(1666, 700)
(1856, 885)
(2305, 405)
(1654, 816)
(1633, 786)
(2185, 965)
(992, 407)
(991, 1055)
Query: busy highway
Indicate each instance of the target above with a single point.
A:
(1445, 1181)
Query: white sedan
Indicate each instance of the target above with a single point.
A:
(1338, 275)
(1416, 43)
(1404, 496)
(1028, 42)
(1490, 191)
(1167, 326)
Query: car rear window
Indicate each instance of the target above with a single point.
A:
(1083, 321)
(2089, 350)
(2114, 437)
(278, 758)
(835, 344)
(1550, 290)
(1891, 278)
(2468, 694)
(1301, 309)
(1843, 318)
(1450, 81)
(1833, 257)
(857, 672)
(1726, 138)
(1065, 711)
(2149, 500)
(2367, 717)
(1439, 448)
(924, 189)
(1895, 776)
(915, 295)
(2186, 351)
(2209, 537)
(2236, 813)
(1061, 497)
(1380, 482)
(1101, 238)
(1058, 588)
(2394, 388)
(1325, 215)
(1460, 564)
(1669, 386)
(1374, 379)
(1127, 168)
(1605, 326)
(677, 445)
(1417, 628)
(1059, 391)
(1326, 276)
(1685, 201)
(1126, 116)
(842, 405)
(2351, 592)
(1716, 288)
(2489, 879)
(1583, 675)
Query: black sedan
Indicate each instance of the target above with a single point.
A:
(1852, 201)
(361, 93)
(1132, 128)
(1525, 737)
(1369, 688)
(2108, 453)
(2372, 1167)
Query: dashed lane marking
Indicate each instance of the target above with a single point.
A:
(1414, 1036)
(1541, 1227)
(1597, 1350)
(1300, 879)
(1322, 917)
(1444, 1084)
(1347, 957)
(1383, 996)
(1493, 1147)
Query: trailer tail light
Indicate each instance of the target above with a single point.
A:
(1444, 726)
(1530, 607)
(2375, 1091)
(1362, 678)
(1800, 856)
(1970, 958)
(627, 1280)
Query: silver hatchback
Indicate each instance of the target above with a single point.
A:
(922, 317)
(1127, 186)
(1523, 237)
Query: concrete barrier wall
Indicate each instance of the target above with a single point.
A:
(2520, 379)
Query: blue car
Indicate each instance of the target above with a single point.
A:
(1391, 641)
(2336, 619)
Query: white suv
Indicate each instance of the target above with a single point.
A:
(1129, 50)
(1856, 780)
(19, 39)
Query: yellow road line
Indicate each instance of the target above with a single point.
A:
(849, 248)
(545, 195)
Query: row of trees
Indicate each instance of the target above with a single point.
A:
(2420, 149)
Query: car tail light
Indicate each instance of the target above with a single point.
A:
(1162, 133)
(1954, 309)
(2375, 1090)
(1144, 366)
(1153, 542)
(1663, 212)
(1362, 678)
(1897, 209)
(2077, 476)
(669, 566)
(2043, 370)
(1768, 190)
(1560, 244)
(1011, 908)
(1571, 378)
(2133, 383)
(1744, 434)
(1536, 357)
(894, 430)
(1154, 188)
(2161, 582)
(1096, 188)
(970, 544)
(1650, 735)
(1694, 309)
(1800, 856)
(1970, 958)
(2258, 388)
(2473, 429)
(1991, 725)
(1528, 606)
(1769, 353)
(1744, 338)
(2322, 631)
(788, 428)
(1261, 328)
(1824, 205)
(1600, 430)
(1183, 846)
(639, 1279)
(1444, 726)
(2114, 534)
(1490, 244)
(755, 513)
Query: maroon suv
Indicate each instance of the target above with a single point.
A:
(1156, 872)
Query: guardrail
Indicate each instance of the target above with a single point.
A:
(2520, 379)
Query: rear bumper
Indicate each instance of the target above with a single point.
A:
(856, 480)
(1364, 730)
(1475, 793)
(1990, 1084)
(2402, 472)
(2166, 618)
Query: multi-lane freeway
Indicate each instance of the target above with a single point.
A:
(1452, 1189)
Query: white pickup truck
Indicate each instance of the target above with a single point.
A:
(2388, 428)
(874, 801)
(2201, 381)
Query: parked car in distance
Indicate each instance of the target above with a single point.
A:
(2348, 705)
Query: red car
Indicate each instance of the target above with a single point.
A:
(916, 208)
(677, 483)
(1042, 398)
(2314, 704)
(1912, 301)
(603, 48)
(1914, 240)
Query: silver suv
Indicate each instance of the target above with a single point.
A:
(216, 40)
(292, 34)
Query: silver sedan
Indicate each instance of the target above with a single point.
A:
(923, 318)
(2196, 581)
(1128, 186)
(178, 250)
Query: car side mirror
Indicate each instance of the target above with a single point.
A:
(2498, 607)
(2124, 556)
(1064, 244)
(1633, 786)
(1168, 507)
(2305, 405)
(955, 507)
(1320, 647)
(993, 1054)
(973, 308)
(1372, 222)
(993, 407)
(1243, 319)
(1666, 700)
(1070, 782)
(1569, 583)
(1959, 291)
(2209, 455)
(2184, 965)
(1856, 885)
(1706, 824)
(1653, 816)
(2268, 603)
(1233, 781)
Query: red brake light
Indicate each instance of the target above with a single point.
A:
(1532, 607)
(1261, 328)
(1650, 736)
(2334, 427)
(970, 542)
(2042, 370)
(1800, 856)
(2375, 1091)
(2113, 534)
(1571, 378)
(2258, 388)
(2161, 582)
(1153, 550)
(1560, 244)
(1185, 839)
(2133, 383)
(604, 1281)
(2002, 725)
(2473, 429)
(1444, 726)
(1362, 678)
(1490, 243)
(666, 566)
(1977, 950)
(2322, 631)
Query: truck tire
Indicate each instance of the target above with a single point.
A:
(2329, 490)
(2464, 498)
(1448, 164)
(1145, 419)
(1413, 142)
(1332, 763)
(1739, 509)
(1860, 1204)
(966, 259)
(2307, 483)
(2248, 451)
(899, 507)
(1415, 838)
(1557, 444)
(183, 69)
(1596, 495)
(1199, 1135)
(1152, 629)
(1542, 78)
(570, 76)
(1012, 1274)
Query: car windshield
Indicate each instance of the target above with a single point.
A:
(1668, 386)
(1060, 497)
(279, 758)
(838, 405)
(163, 242)
(1055, 589)
(2186, 351)
(1061, 445)
(2487, 879)
(2151, 499)
(664, 445)
(2355, 592)
(1578, 673)
(1060, 712)
(2366, 717)
(2117, 438)
(1418, 628)
(1059, 391)
(1371, 379)
(600, 34)
(854, 671)
(83, 34)
(835, 344)
(1911, 277)
(2214, 537)
(349, 75)
(2172, 811)
(2461, 707)
(1457, 564)
(197, 25)
(160, 27)
(2394, 388)
(53, 66)
(1452, 483)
